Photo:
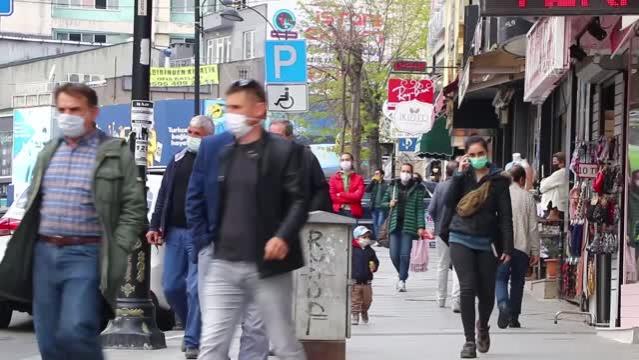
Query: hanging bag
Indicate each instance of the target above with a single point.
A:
(383, 236)
(419, 256)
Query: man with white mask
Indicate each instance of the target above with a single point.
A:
(168, 224)
(246, 200)
(85, 212)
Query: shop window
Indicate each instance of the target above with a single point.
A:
(182, 6)
(89, 4)
(75, 37)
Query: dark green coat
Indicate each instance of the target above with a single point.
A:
(121, 207)
(413, 209)
(377, 190)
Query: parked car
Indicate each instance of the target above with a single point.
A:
(11, 220)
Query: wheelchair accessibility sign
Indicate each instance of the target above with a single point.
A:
(287, 98)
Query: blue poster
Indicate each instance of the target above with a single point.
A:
(31, 130)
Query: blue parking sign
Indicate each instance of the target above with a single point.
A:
(285, 62)
(6, 7)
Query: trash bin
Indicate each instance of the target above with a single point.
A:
(323, 286)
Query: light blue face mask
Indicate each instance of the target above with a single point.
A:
(71, 126)
(193, 144)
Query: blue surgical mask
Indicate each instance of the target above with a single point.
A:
(193, 144)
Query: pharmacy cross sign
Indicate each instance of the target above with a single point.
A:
(6, 7)
(558, 7)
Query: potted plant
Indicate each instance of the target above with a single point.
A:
(553, 251)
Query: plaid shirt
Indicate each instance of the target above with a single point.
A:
(67, 200)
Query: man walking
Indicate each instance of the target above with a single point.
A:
(179, 276)
(377, 188)
(85, 213)
(437, 210)
(526, 252)
(314, 183)
(254, 226)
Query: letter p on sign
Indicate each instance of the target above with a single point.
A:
(286, 62)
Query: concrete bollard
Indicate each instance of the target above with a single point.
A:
(323, 287)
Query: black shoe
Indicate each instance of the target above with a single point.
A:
(504, 316)
(483, 339)
(514, 323)
(469, 351)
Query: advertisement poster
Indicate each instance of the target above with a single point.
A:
(183, 76)
(31, 130)
(6, 148)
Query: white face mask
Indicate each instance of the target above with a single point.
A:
(236, 124)
(363, 242)
(346, 165)
(193, 144)
(72, 126)
(405, 177)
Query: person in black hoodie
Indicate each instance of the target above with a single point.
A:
(364, 264)
(479, 230)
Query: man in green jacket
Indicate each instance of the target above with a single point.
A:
(377, 187)
(85, 213)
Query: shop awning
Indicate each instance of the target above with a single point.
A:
(490, 69)
(436, 143)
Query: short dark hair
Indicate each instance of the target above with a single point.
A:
(77, 90)
(475, 139)
(288, 126)
(517, 173)
(561, 157)
(381, 171)
(407, 164)
(251, 87)
(451, 166)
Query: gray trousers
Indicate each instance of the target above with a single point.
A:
(227, 292)
(254, 344)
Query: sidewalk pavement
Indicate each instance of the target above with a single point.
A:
(410, 326)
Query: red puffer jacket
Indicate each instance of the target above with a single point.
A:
(347, 198)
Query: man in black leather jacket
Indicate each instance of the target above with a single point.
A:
(256, 222)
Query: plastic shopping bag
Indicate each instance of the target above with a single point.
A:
(419, 256)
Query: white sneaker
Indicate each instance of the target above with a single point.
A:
(402, 286)
(456, 307)
(442, 303)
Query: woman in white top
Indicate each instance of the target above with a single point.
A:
(554, 189)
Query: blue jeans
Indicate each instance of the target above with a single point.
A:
(67, 301)
(515, 271)
(179, 280)
(379, 216)
(400, 246)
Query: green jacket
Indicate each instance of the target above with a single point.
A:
(377, 190)
(413, 208)
(121, 207)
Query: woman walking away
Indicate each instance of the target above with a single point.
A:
(479, 230)
(347, 189)
(405, 199)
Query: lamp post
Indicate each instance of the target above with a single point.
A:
(134, 326)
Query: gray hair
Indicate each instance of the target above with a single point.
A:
(204, 122)
(288, 126)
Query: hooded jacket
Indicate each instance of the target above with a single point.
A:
(494, 217)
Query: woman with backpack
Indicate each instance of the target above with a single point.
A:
(479, 231)
(405, 200)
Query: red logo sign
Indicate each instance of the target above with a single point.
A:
(400, 90)
(409, 66)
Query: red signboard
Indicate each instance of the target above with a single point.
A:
(400, 90)
(409, 66)
(558, 7)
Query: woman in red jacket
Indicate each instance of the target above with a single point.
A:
(347, 189)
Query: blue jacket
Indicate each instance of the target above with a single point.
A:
(202, 195)
(165, 195)
(360, 270)
(437, 208)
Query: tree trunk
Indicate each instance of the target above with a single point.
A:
(357, 64)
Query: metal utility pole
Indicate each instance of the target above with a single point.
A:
(134, 326)
(196, 55)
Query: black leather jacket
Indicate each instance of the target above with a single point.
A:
(281, 204)
(494, 218)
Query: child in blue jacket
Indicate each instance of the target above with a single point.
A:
(364, 263)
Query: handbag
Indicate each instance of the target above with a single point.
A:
(419, 256)
(384, 235)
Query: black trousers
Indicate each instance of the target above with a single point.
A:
(476, 271)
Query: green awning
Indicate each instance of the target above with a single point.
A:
(436, 142)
